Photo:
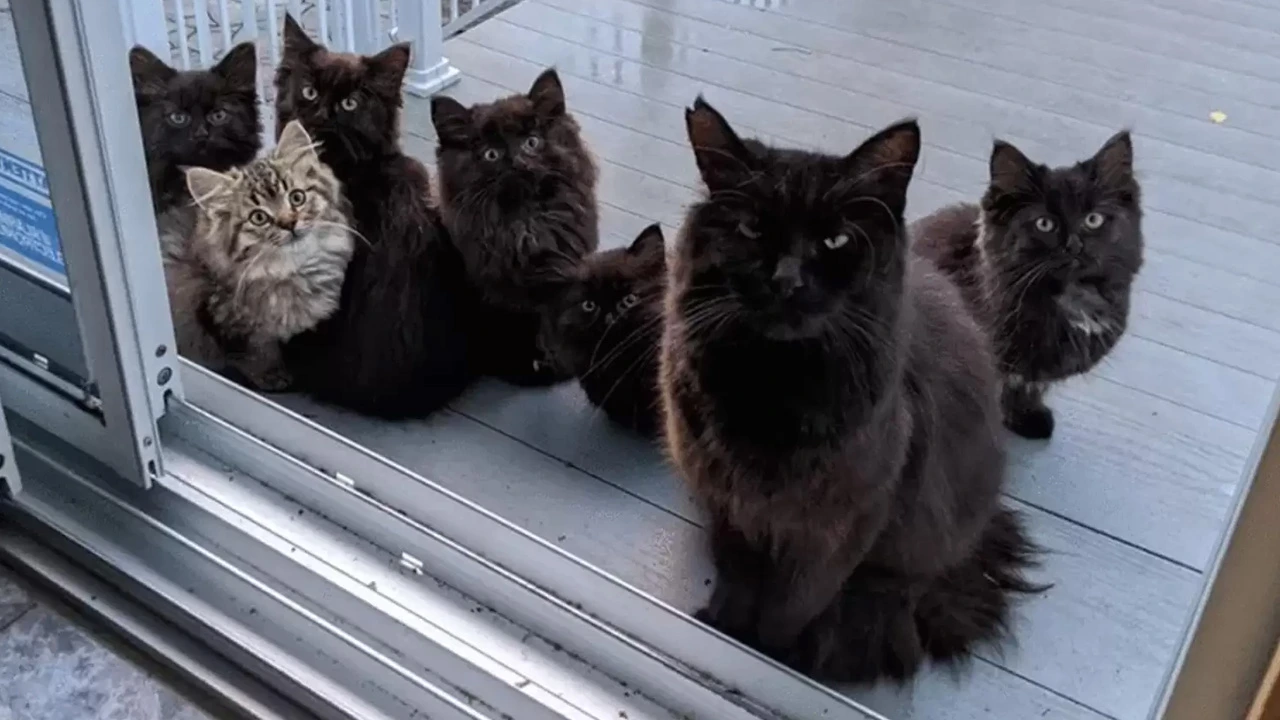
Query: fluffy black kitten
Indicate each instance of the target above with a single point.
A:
(198, 118)
(1048, 262)
(517, 189)
(397, 345)
(603, 327)
(833, 404)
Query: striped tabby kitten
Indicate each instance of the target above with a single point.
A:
(260, 258)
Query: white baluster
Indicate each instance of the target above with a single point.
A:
(180, 19)
(429, 71)
(204, 44)
(145, 25)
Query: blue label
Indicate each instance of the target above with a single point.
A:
(27, 223)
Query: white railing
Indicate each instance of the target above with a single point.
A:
(195, 33)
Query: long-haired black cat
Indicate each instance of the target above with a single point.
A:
(1048, 262)
(397, 345)
(517, 191)
(833, 405)
(195, 118)
(603, 326)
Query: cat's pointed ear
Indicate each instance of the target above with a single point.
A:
(205, 184)
(452, 120)
(723, 160)
(295, 143)
(887, 161)
(297, 44)
(1011, 171)
(150, 73)
(240, 66)
(648, 243)
(547, 94)
(1114, 162)
(387, 68)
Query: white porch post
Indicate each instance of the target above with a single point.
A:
(144, 24)
(429, 71)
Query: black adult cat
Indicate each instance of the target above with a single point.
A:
(397, 345)
(1048, 262)
(517, 188)
(833, 405)
(604, 325)
(198, 118)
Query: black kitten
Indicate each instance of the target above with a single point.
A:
(517, 188)
(603, 328)
(397, 345)
(1048, 261)
(833, 405)
(199, 118)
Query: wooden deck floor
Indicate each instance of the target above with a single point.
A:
(1130, 495)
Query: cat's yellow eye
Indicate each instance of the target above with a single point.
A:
(178, 118)
(532, 143)
(748, 231)
(259, 217)
(588, 306)
(349, 103)
(309, 93)
(1045, 224)
(297, 197)
(491, 154)
(837, 242)
(218, 117)
(1094, 220)
(630, 300)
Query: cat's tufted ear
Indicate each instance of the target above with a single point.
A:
(297, 44)
(240, 66)
(648, 243)
(547, 94)
(1114, 162)
(1012, 173)
(886, 161)
(723, 160)
(206, 185)
(387, 68)
(295, 144)
(150, 74)
(452, 120)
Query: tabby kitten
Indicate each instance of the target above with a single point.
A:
(833, 406)
(201, 118)
(397, 346)
(604, 325)
(517, 188)
(257, 260)
(1048, 261)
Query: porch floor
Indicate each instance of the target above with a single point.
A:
(1130, 495)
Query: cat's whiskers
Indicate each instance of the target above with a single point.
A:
(640, 333)
(341, 226)
(637, 363)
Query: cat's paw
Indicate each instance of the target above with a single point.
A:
(272, 381)
(1033, 423)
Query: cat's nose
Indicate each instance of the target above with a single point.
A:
(288, 221)
(1074, 245)
(202, 131)
(787, 276)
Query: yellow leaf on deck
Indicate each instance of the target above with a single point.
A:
(1218, 116)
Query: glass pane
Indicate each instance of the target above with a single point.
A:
(37, 319)
(1161, 357)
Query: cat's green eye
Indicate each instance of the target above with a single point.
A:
(630, 300)
(588, 306)
(748, 231)
(178, 118)
(836, 242)
(349, 103)
(1045, 224)
(309, 93)
(532, 142)
(1094, 220)
(259, 217)
(297, 197)
(218, 117)
(492, 154)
